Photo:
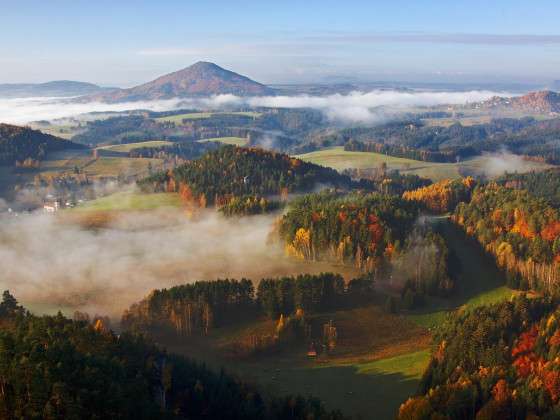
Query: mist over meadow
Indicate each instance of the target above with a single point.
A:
(52, 262)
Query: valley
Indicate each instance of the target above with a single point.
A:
(300, 256)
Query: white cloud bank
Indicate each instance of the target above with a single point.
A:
(355, 107)
(50, 263)
(25, 110)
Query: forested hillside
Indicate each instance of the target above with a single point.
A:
(230, 172)
(498, 362)
(360, 228)
(414, 139)
(55, 368)
(521, 231)
(373, 232)
(545, 184)
(23, 146)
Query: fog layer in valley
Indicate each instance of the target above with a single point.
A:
(351, 108)
(49, 262)
(496, 164)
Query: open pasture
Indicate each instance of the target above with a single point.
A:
(339, 159)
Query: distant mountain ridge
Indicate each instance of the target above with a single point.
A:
(57, 88)
(198, 80)
(545, 101)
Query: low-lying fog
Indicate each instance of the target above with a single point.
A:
(49, 262)
(496, 164)
(354, 107)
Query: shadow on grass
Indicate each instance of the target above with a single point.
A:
(362, 395)
(370, 390)
(477, 278)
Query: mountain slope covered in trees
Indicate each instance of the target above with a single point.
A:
(374, 232)
(498, 362)
(18, 144)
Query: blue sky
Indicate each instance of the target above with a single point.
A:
(125, 42)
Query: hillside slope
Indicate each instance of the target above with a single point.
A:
(200, 79)
(20, 143)
(544, 102)
(57, 88)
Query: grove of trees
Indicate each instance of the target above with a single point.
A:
(442, 196)
(231, 171)
(195, 309)
(374, 232)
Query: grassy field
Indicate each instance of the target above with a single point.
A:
(65, 131)
(66, 162)
(235, 141)
(377, 364)
(465, 121)
(125, 148)
(470, 117)
(478, 283)
(104, 166)
(130, 201)
(338, 158)
(178, 119)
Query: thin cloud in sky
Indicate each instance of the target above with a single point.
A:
(296, 44)
(439, 38)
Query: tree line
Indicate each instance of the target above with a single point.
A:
(195, 309)
(183, 150)
(249, 206)
(55, 368)
(385, 181)
(400, 151)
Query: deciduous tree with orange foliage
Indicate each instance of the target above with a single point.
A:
(360, 229)
(442, 196)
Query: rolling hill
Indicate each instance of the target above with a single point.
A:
(20, 143)
(541, 102)
(57, 88)
(200, 79)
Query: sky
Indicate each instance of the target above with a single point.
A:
(127, 42)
